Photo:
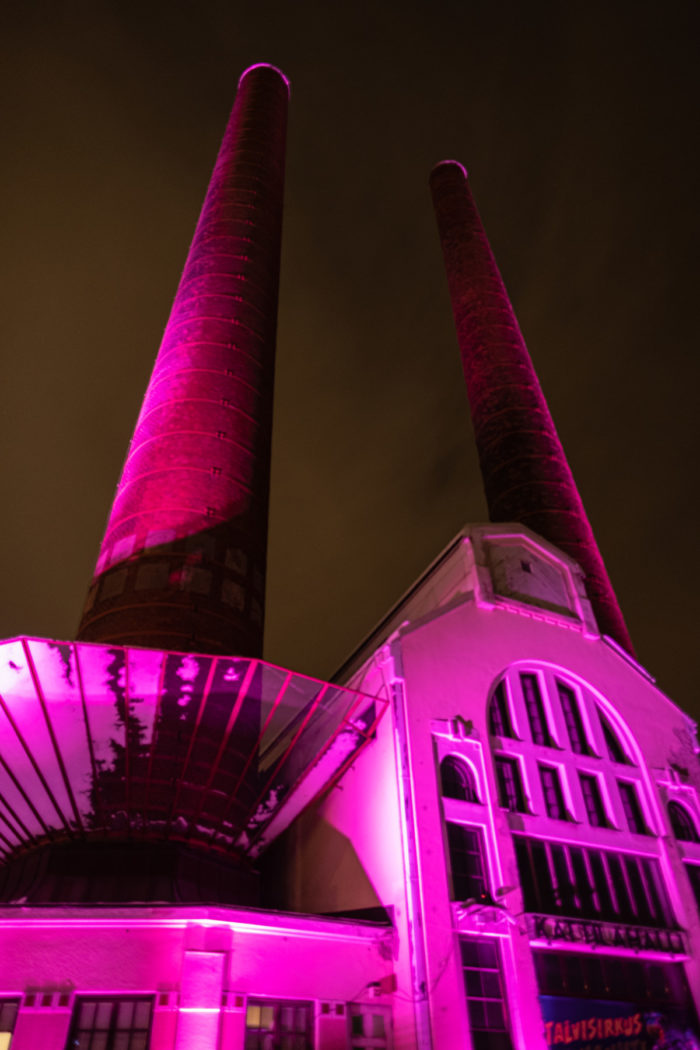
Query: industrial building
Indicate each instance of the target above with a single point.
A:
(483, 833)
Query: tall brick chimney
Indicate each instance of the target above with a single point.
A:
(182, 562)
(526, 476)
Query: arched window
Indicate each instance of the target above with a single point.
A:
(682, 823)
(457, 780)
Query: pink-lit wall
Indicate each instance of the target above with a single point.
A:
(200, 964)
(440, 655)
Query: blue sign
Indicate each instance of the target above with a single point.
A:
(596, 1024)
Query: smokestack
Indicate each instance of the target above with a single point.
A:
(526, 476)
(182, 562)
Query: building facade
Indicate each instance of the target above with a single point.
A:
(483, 833)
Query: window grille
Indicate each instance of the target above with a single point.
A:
(466, 862)
(593, 800)
(369, 1026)
(279, 1024)
(572, 718)
(553, 794)
(510, 785)
(111, 1024)
(483, 985)
(500, 722)
(632, 808)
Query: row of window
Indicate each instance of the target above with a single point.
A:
(598, 976)
(573, 881)
(501, 721)
(580, 882)
(511, 795)
(120, 1023)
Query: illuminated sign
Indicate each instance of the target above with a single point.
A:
(604, 934)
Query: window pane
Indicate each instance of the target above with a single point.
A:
(125, 1013)
(142, 1015)
(499, 713)
(104, 1014)
(535, 709)
(572, 719)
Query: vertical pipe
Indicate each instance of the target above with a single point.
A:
(182, 563)
(526, 476)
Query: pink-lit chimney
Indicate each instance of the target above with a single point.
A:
(526, 476)
(182, 562)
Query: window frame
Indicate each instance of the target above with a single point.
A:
(682, 820)
(553, 792)
(115, 1001)
(277, 1005)
(593, 799)
(465, 774)
(535, 709)
(456, 835)
(488, 989)
(573, 718)
(512, 763)
(632, 807)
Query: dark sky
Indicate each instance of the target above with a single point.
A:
(578, 123)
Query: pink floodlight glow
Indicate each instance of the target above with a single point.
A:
(101, 740)
(265, 65)
(183, 559)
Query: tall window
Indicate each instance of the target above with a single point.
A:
(457, 780)
(466, 862)
(8, 1016)
(553, 794)
(111, 1024)
(282, 1025)
(573, 720)
(616, 752)
(535, 709)
(510, 785)
(500, 722)
(682, 823)
(483, 986)
(633, 811)
(593, 800)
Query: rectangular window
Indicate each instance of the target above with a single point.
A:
(8, 1017)
(483, 985)
(510, 785)
(287, 1025)
(593, 800)
(572, 719)
(369, 1026)
(552, 792)
(500, 722)
(111, 1024)
(632, 808)
(466, 862)
(535, 709)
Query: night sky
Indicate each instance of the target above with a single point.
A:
(578, 123)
